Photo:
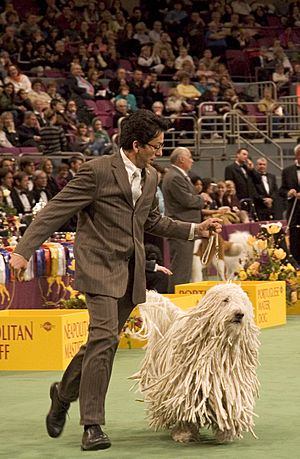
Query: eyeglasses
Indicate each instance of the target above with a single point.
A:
(160, 146)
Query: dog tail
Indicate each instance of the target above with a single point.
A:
(158, 313)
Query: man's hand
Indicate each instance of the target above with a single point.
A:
(291, 193)
(18, 265)
(211, 225)
(163, 269)
(268, 202)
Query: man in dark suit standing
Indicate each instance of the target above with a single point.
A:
(181, 203)
(290, 190)
(115, 197)
(266, 201)
(242, 173)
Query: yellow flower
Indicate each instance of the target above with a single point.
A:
(272, 228)
(293, 297)
(262, 244)
(72, 265)
(279, 254)
(251, 240)
(81, 297)
(253, 268)
(291, 268)
(273, 276)
(242, 275)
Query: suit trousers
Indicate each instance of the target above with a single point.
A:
(88, 373)
(181, 254)
(295, 243)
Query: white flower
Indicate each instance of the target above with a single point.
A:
(5, 193)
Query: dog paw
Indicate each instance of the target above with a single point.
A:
(185, 432)
(225, 436)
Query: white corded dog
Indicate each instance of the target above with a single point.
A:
(200, 365)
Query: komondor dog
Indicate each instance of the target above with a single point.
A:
(200, 365)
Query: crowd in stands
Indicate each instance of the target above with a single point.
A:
(83, 59)
(70, 70)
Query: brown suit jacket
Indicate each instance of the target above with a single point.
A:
(110, 229)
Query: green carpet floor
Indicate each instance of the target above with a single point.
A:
(24, 401)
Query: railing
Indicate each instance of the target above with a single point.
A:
(280, 123)
(256, 89)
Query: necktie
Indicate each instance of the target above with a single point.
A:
(136, 185)
(244, 171)
(265, 183)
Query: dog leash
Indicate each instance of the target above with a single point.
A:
(291, 215)
(214, 239)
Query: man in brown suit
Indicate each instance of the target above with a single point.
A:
(115, 198)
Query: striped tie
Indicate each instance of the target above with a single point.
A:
(136, 185)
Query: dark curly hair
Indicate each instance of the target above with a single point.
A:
(143, 126)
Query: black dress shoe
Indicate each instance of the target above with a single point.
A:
(93, 439)
(56, 417)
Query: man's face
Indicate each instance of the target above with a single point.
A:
(29, 168)
(195, 16)
(186, 161)
(121, 74)
(48, 167)
(242, 156)
(75, 165)
(23, 184)
(41, 180)
(157, 26)
(138, 75)
(122, 106)
(8, 180)
(31, 121)
(146, 154)
(261, 166)
(76, 70)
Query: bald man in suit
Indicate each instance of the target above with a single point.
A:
(182, 203)
(116, 200)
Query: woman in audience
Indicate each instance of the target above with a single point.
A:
(7, 100)
(26, 55)
(197, 182)
(52, 187)
(18, 79)
(6, 186)
(149, 61)
(99, 88)
(82, 140)
(101, 140)
(9, 128)
(177, 104)
(231, 200)
(127, 45)
(187, 90)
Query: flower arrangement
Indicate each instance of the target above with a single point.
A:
(270, 260)
(131, 327)
(78, 301)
